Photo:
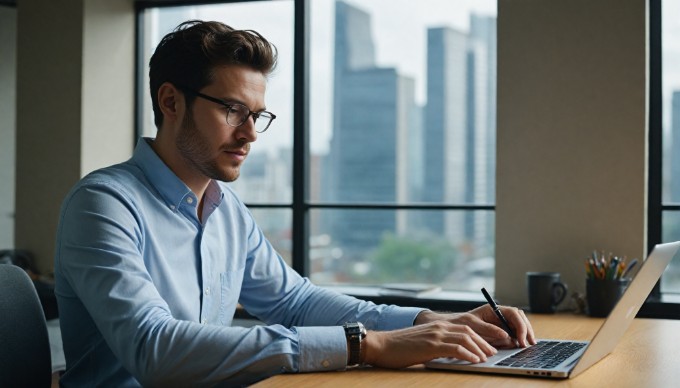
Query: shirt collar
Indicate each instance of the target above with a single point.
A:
(172, 189)
(211, 199)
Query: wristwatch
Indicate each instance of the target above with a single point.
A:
(355, 333)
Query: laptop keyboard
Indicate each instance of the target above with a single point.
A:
(543, 355)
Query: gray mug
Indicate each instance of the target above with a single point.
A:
(546, 291)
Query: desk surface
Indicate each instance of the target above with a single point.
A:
(645, 357)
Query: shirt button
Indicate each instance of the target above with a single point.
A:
(326, 363)
(207, 291)
(204, 321)
(172, 207)
(190, 200)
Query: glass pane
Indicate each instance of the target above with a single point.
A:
(277, 224)
(670, 281)
(403, 101)
(670, 39)
(8, 80)
(670, 51)
(374, 247)
(266, 175)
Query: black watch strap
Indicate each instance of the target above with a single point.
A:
(355, 333)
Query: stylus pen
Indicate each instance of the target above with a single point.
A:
(499, 314)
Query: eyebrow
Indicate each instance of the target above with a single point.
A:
(221, 100)
(236, 101)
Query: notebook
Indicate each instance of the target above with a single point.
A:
(570, 358)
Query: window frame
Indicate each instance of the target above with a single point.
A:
(657, 305)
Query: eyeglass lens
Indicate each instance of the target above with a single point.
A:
(238, 114)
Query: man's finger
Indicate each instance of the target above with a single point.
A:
(487, 329)
(467, 337)
(530, 329)
(459, 351)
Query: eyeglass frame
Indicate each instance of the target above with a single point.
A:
(229, 105)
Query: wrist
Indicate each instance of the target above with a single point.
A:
(425, 316)
(371, 347)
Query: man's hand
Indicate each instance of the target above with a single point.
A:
(471, 336)
(485, 322)
(422, 343)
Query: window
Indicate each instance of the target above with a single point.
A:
(670, 91)
(8, 72)
(399, 136)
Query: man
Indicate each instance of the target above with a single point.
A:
(154, 254)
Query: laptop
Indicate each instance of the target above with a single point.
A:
(553, 358)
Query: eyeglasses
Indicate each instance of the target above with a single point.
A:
(237, 114)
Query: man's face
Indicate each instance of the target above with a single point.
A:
(212, 147)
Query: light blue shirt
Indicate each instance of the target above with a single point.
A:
(147, 291)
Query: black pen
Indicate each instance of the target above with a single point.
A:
(499, 314)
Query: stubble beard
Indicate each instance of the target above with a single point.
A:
(196, 151)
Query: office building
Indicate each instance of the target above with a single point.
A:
(460, 128)
(483, 32)
(445, 128)
(374, 118)
(482, 125)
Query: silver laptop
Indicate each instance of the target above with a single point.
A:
(565, 359)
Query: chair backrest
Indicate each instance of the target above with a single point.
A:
(25, 359)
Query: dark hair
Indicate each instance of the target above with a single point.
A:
(187, 56)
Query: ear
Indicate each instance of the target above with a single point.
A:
(171, 102)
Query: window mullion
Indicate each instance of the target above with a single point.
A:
(300, 236)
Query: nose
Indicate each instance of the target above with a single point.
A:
(246, 131)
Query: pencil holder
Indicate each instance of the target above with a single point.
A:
(603, 294)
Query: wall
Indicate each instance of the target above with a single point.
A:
(75, 106)
(572, 133)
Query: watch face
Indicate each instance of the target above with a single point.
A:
(354, 328)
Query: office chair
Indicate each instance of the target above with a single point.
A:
(25, 359)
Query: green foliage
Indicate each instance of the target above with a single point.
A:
(404, 260)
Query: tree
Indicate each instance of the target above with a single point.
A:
(405, 260)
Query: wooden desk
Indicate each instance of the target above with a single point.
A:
(647, 356)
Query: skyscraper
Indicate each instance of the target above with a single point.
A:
(482, 83)
(374, 110)
(445, 128)
(460, 128)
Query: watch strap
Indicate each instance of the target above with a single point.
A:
(355, 333)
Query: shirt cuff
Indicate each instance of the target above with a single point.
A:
(322, 348)
(399, 318)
